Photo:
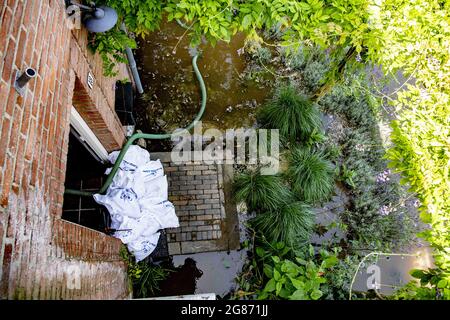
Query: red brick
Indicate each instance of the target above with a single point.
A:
(5, 26)
(4, 93)
(2, 6)
(36, 12)
(31, 140)
(9, 60)
(15, 128)
(22, 40)
(29, 13)
(10, 103)
(26, 116)
(17, 19)
(6, 264)
(29, 47)
(4, 138)
(20, 161)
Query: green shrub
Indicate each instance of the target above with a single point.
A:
(301, 278)
(293, 114)
(144, 277)
(294, 59)
(354, 105)
(263, 54)
(310, 174)
(292, 224)
(314, 74)
(261, 192)
(340, 279)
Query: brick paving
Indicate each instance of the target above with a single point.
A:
(198, 192)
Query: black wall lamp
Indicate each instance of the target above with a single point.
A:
(96, 19)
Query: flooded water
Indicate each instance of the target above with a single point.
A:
(219, 269)
(198, 273)
(394, 271)
(172, 96)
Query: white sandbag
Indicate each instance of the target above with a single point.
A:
(120, 202)
(144, 246)
(137, 201)
(135, 157)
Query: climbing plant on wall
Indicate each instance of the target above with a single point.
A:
(139, 16)
(421, 135)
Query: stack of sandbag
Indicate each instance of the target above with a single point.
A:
(137, 201)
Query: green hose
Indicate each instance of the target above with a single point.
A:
(151, 136)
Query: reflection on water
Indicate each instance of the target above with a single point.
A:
(219, 270)
(172, 96)
(198, 273)
(182, 280)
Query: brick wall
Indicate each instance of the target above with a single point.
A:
(40, 254)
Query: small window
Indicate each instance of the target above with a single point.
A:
(86, 166)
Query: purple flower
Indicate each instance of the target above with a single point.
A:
(386, 210)
(360, 147)
(383, 176)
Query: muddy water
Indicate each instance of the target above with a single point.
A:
(172, 96)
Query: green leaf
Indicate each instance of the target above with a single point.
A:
(301, 261)
(416, 273)
(246, 21)
(298, 295)
(260, 252)
(276, 275)
(279, 286)
(316, 294)
(268, 270)
(270, 286)
(311, 251)
(442, 283)
(330, 262)
(297, 283)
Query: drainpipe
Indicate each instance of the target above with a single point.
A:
(132, 63)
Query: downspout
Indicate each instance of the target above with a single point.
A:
(132, 63)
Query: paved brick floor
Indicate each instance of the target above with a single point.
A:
(201, 195)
